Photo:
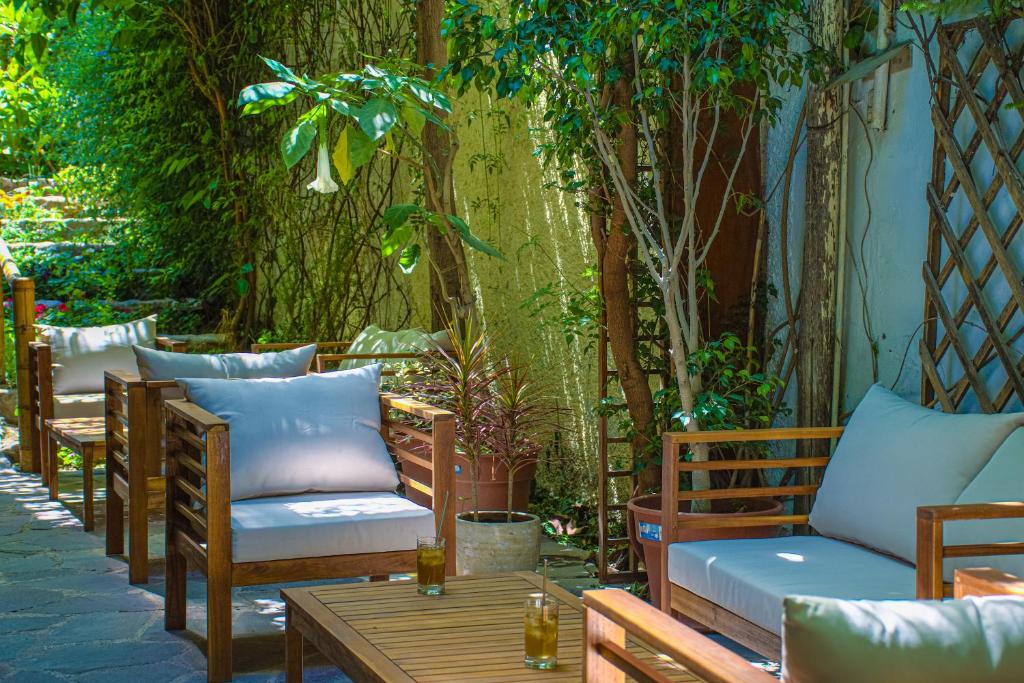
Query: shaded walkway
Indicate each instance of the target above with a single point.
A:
(67, 612)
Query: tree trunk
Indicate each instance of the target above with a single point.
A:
(450, 294)
(816, 343)
(620, 309)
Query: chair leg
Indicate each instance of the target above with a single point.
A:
(176, 590)
(138, 535)
(218, 627)
(115, 516)
(50, 449)
(380, 577)
(87, 488)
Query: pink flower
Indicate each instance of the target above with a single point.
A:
(40, 309)
(62, 307)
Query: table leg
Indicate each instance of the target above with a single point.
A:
(292, 649)
(87, 486)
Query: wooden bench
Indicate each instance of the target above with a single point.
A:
(86, 437)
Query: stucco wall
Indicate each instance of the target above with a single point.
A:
(887, 226)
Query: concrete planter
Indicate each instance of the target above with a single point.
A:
(494, 545)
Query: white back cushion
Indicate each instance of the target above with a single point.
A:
(1001, 480)
(319, 432)
(895, 456)
(375, 340)
(980, 640)
(165, 365)
(82, 354)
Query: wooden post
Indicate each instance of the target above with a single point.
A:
(24, 333)
(816, 343)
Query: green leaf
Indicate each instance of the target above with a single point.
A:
(280, 70)
(395, 239)
(257, 98)
(38, 41)
(342, 159)
(297, 141)
(377, 117)
(398, 214)
(472, 240)
(409, 258)
(360, 148)
(414, 119)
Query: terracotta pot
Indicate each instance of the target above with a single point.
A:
(645, 511)
(494, 545)
(492, 488)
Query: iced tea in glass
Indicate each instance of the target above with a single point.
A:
(541, 632)
(430, 565)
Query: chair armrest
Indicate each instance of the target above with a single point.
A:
(337, 346)
(202, 420)
(611, 615)
(932, 550)
(982, 582)
(322, 359)
(411, 443)
(671, 466)
(174, 345)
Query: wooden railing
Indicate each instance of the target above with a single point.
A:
(23, 296)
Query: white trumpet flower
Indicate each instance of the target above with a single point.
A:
(323, 183)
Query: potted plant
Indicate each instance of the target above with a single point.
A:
(736, 395)
(501, 419)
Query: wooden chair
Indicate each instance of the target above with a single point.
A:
(931, 549)
(612, 614)
(198, 504)
(42, 401)
(609, 615)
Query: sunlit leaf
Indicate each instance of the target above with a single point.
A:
(297, 141)
(377, 117)
(341, 158)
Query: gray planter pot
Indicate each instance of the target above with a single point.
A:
(493, 545)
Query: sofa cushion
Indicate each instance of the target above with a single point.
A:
(375, 340)
(752, 577)
(320, 432)
(324, 524)
(1001, 480)
(978, 639)
(82, 354)
(78, 405)
(165, 365)
(895, 456)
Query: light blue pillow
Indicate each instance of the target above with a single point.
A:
(166, 365)
(320, 432)
(976, 640)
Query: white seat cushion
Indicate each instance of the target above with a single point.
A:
(1001, 481)
(980, 640)
(78, 405)
(325, 524)
(894, 457)
(752, 577)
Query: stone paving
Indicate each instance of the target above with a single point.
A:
(67, 612)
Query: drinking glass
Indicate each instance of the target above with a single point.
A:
(430, 565)
(541, 632)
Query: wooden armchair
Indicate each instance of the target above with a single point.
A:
(610, 615)
(43, 405)
(199, 513)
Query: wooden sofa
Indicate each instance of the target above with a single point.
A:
(199, 513)
(697, 578)
(611, 615)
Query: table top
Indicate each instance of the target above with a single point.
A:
(474, 632)
(79, 431)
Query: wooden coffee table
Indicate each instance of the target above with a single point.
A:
(386, 632)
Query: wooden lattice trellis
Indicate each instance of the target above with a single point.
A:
(974, 294)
